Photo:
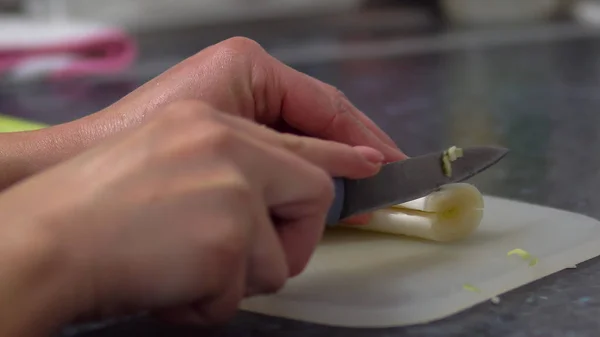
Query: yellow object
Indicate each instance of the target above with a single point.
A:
(15, 124)
(448, 157)
(524, 255)
(471, 287)
(455, 153)
(447, 167)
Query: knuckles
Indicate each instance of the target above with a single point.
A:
(234, 56)
(338, 98)
(184, 112)
(220, 139)
(238, 50)
(241, 44)
(225, 246)
(191, 129)
(230, 242)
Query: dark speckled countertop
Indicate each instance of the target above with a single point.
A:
(539, 97)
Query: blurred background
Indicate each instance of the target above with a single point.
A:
(45, 38)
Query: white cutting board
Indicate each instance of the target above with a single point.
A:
(363, 279)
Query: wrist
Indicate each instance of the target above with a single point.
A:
(23, 154)
(37, 293)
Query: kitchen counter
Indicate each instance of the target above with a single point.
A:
(537, 94)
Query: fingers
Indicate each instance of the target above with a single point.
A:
(293, 172)
(296, 192)
(290, 197)
(338, 159)
(299, 233)
(238, 76)
(269, 267)
(299, 209)
(320, 110)
(362, 118)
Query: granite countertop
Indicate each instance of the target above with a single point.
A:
(541, 99)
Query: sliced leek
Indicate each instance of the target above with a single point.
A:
(524, 255)
(454, 153)
(448, 157)
(470, 287)
(521, 252)
(449, 214)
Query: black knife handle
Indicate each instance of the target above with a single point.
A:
(335, 211)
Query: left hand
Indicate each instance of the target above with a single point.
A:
(239, 77)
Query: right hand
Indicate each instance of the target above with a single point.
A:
(195, 209)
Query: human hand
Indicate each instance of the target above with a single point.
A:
(235, 76)
(239, 77)
(194, 210)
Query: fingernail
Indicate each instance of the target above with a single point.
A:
(396, 154)
(370, 154)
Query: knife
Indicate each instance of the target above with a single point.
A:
(407, 180)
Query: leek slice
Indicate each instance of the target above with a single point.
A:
(524, 255)
(452, 213)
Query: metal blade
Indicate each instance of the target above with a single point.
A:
(413, 178)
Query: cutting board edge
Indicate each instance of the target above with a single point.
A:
(258, 306)
(576, 255)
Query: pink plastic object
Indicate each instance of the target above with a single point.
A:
(59, 50)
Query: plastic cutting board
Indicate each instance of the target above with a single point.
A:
(363, 279)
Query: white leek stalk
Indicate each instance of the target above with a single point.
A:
(449, 214)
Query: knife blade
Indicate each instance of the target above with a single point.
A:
(407, 180)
